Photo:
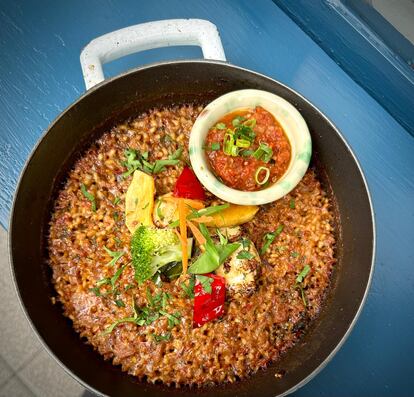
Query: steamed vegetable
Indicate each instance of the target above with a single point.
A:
(166, 209)
(139, 201)
(188, 186)
(209, 297)
(153, 248)
(234, 215)
(240, 270)
(213, 256)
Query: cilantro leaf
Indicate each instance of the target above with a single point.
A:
(205, 282)
(89, 196)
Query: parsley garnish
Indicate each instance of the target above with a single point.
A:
(294, 254)
(269, 237)
(114, 255)
(148, 314)
(160, 338)
(119, 303)
(245, 255)
(303, 274)
(221, 126)
(292, 204)
(116, 200)
(245, 242)
(89, 196)
(139, 161)
(108, 281)
(189, 289)
(205, 282)
(299, 280)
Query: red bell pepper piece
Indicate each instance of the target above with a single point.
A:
(188, 186)
(208, 306)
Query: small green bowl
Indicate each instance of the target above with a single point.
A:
(289, 118)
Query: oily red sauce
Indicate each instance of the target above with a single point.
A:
(239, 171)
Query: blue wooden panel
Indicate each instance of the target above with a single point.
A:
(360, 51)
(40, 76)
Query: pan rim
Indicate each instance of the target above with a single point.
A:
(358, 312)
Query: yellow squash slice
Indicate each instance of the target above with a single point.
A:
(139, 201)
(234, 215)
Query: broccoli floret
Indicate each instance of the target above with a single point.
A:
(153, 248)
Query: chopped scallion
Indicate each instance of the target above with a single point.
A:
(215, 146)
(237, 120)
(244, 143)
(262, 181)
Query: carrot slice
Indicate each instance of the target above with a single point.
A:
(182, 214)
(197, 234)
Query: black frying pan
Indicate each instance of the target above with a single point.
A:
(160, 85)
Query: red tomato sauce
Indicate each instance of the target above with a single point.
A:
(245, 168)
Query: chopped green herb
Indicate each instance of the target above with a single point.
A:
(223, 239)
(246, 153)
(237, 120)
(299, 280)
(245, 242)
(114, 255)
(189, 289)
(205, 282)
(89, 196)
(145, 206)
(116, 200)
(294, 254)
(119, 303)
(177, 154)
(160, 165)
(115, 277)
(264, 152)
(136, 160)
(245, 255)
(173, 319)
(108, 281)
(221, 126)
(292, 204)
(117, 240)
(303, 274)
(161, 338)
(243, 131)
(128, 287)
(215, 146)
(302, 293)
(148, 314)
(115, 216)
(166, 139)
(269, 237)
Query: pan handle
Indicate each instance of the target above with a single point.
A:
(146, 36)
